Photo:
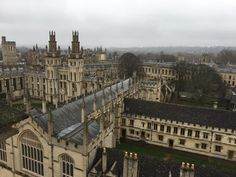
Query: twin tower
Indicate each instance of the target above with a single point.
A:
(74, 51)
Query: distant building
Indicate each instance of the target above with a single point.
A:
(8, 52)
(228, 75)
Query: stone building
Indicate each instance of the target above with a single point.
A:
(204, 131)
(60, 78)
(8, 52)
(11, 82)
(154, 70)
(77, 139)
(228, 74)
(64, 141)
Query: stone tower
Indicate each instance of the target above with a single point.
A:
(52, 61)
(75, 44)
(9, 52)
(35, 55)
(75, 63)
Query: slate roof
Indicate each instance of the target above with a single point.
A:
(149, 166)
(67, 119)
(9, 116)
(201, 116)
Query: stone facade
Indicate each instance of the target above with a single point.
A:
(9, 52)
(205, 138)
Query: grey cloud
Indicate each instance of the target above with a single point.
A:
(120, 23)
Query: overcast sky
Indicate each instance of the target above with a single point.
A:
(121, 23)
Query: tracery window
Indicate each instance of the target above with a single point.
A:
(3, 153)
(32, 153)
(67, 166)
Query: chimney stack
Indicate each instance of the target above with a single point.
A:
(186, 170)
(104, 160)
(130, 168)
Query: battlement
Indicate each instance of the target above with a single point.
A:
(52, 35)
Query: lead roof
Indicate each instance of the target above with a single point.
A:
(67, 119)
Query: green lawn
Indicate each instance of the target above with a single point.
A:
(227, 167)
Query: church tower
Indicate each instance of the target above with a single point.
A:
(76, 64)
(52, 61)
(9, 52)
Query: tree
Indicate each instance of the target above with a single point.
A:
(181, 73)
(226, 56)
(201, 81)
(167, 57)
(128, 64)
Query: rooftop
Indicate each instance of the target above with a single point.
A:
(149, 166)
(173, 112)
(67, 119)
(9, 116)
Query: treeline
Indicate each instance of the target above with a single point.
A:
(226, 56)
(202, 82)
(159, 57)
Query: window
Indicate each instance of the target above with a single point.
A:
(218, 148)
(3, 153)
(131, 123)
(218, 137)
(197, 145)
(123, 122)
(175, 130)
(190, 132)
(143, 124)
(149, 125)
(168, 129)
(205, 135)
(160, 137)
(182, 141)
(32, 153)
(155, 126)
(67, 166)
(197, 133)
(204, 146)
(182, 131)
(131, 132)
(162, 128)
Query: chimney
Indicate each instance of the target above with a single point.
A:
(125, 165)
(170, 174)
(215, 105)
(130, 168)
(186, 170)
(104, 160)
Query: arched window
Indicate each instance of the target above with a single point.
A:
(32, 153)
(67, 166)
